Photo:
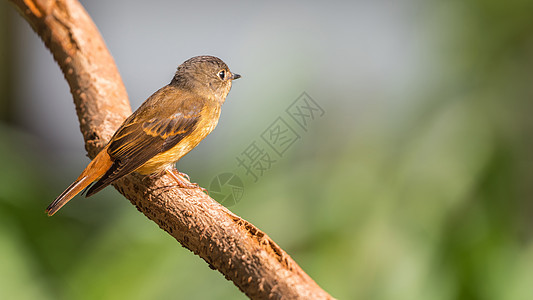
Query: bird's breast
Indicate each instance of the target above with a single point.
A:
(208, 121)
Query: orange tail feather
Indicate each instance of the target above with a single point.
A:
(98, 166)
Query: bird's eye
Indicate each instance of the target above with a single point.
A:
(222, 74)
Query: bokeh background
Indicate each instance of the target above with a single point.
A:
(416, 182)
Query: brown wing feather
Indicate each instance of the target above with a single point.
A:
(139, 139)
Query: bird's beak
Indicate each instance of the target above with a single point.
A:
(235, 76)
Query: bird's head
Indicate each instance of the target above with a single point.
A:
(207, 76)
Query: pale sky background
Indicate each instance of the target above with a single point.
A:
(358, 59)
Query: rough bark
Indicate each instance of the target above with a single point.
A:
(229, 244)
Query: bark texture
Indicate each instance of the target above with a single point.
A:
(229, 244)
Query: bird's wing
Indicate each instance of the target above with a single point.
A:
(140, 139)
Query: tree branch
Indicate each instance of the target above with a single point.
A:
(233, 246)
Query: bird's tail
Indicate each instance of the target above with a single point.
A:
(96, 168)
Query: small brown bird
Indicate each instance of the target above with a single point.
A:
(168, 125)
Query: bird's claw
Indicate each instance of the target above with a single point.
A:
(180, 177)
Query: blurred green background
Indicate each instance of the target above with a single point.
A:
(416, 182)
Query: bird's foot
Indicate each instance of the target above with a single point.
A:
(183, 180)
(184, 175)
